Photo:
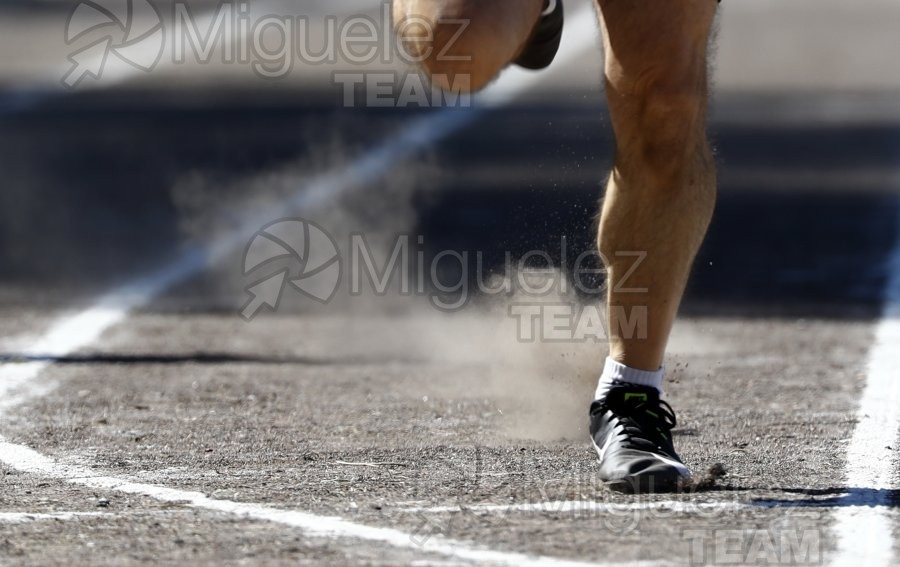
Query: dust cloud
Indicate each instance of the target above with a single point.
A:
(541, 387)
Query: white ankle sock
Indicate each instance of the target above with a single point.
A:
(614, 371)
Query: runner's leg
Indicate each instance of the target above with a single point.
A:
(661, 193)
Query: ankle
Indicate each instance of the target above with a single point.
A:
(614, 372)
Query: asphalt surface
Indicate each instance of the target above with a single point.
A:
(385, 411)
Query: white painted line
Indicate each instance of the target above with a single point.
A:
(71, 333)
(26, 460)
(582, 507)
(865, 531)
(25, 517)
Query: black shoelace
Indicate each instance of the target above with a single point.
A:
(647, 421)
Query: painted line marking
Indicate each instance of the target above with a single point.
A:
(581, 507)
(849, 501)
(865, 531)
(313, 525)
(27, 517)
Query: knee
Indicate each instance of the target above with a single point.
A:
(662, 121)
(458, 51)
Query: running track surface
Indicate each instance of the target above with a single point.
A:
(160, 426)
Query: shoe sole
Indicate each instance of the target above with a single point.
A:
(644, 485)
(544, 44)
